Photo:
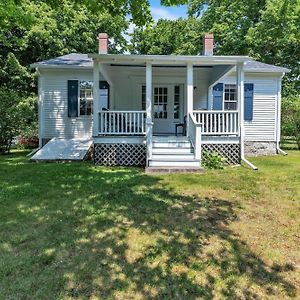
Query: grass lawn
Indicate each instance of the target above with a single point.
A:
(75, 231)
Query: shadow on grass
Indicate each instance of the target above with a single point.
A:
(74, 230)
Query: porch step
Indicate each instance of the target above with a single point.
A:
(173, 152)
(174, 170)
(174, 163)
(173, 156)
(171, 142)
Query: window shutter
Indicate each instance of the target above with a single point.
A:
(218, 96)
(72, 98)
(248, 101)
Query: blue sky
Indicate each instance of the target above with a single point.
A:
(164, 12)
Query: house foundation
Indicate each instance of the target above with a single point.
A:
(260, 148)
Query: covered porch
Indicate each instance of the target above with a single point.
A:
(164, 96)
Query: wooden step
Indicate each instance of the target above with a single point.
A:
(174, 163)
(173, 156)
(151, 170)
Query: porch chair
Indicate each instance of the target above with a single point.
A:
(183, 125)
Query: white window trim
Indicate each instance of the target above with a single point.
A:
(79, 114)
(236, 100)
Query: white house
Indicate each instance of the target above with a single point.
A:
(229, 104)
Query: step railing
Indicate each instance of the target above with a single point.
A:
(217, 122)
(194, 132)
(122, 123)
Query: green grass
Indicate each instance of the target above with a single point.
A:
(76, 231)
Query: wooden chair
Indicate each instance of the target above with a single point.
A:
(183, 125)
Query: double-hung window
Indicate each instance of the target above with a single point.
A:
(86, 98)
(230, 97)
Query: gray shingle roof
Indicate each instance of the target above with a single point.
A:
(83, 61)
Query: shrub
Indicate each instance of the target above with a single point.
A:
(213, 160)
(28, 137)
(291, 118)
(17, 117)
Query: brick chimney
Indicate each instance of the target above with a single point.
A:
(208, 44)
(103, 43)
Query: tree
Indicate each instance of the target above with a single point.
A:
(70, 27)
(168, 37)
(267, 30)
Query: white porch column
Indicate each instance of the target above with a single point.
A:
(96, 79)
(190, 93)
(149, 123)
(240, 97)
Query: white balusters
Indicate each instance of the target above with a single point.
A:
(122, 122)
(217, 122)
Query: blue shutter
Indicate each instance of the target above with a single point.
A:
(218, 96)
(248, 101)
(72, 98)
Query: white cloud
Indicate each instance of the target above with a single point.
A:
(162, 13)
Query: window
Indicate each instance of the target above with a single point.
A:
(160, 102)
(143, 97)
(86, 98)
(230, 97)
(176, 102)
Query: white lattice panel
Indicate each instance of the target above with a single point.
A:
(120, 154)
(231, 152)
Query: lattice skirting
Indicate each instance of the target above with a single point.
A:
(232, 152)
(120, 154)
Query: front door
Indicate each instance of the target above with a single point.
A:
(167, 108)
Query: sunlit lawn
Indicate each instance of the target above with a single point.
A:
(75, 231)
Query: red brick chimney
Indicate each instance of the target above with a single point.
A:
(208, 44)
(103, 43)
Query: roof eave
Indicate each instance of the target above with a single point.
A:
(168, 59)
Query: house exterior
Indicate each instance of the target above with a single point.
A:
(228, 104)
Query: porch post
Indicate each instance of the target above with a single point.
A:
(96, 79)
(240, 96)
(149, 123)
(190, 93)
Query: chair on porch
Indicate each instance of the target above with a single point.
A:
(183, 125)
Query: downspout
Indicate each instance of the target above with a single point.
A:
(278, 117)
(40, 113)
(240, 84)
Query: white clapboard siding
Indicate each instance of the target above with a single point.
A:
(56, 122)
(263, 125)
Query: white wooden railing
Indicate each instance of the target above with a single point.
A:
(194, 132)
(217, 122)
(122, 122)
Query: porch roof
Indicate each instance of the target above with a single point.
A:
(169, 59)
(85, 61)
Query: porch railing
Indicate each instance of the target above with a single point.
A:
(122, 122)
(195, 135)
(217, 122)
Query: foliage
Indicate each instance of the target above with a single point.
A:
(76, 231)
(18, 117)
(168, 37)
(212, 160)
(267, 30)
(291, 118)
(11, 118)
(66, 28)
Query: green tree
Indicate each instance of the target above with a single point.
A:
(168, 37)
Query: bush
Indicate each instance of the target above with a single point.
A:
(291, 118)
(28, 137)
(213, 160)
(17, 117)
